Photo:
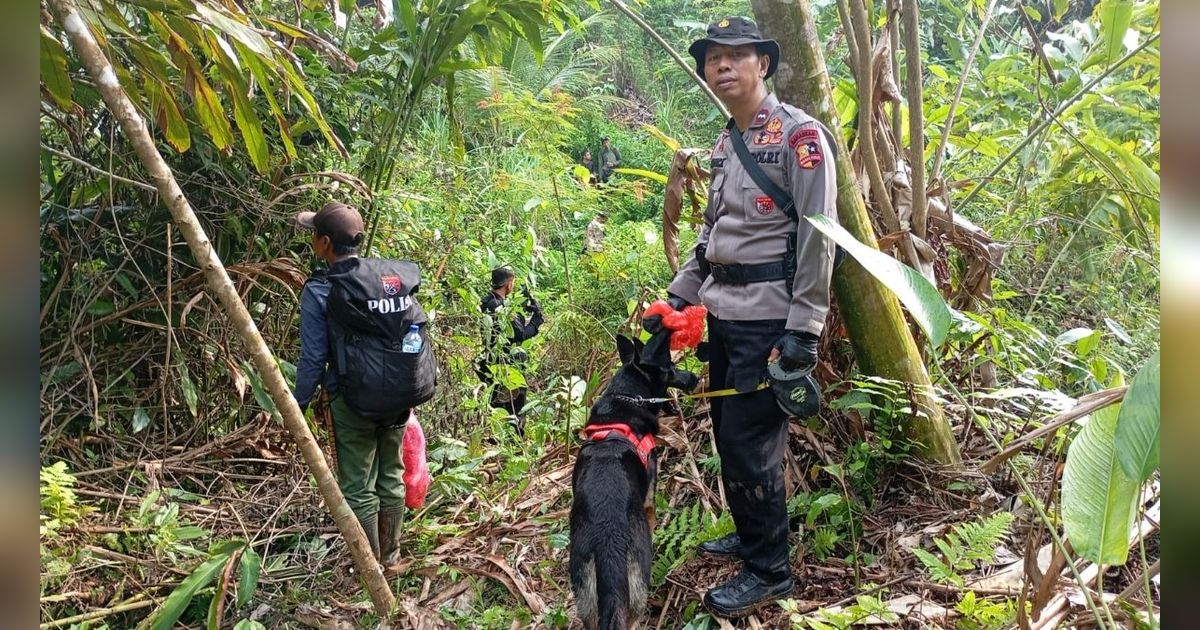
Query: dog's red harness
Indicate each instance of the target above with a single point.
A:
(643, 446)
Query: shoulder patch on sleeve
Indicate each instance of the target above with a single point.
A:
(808, 153)
(801, 135)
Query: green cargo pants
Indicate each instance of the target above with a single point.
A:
(370, 469)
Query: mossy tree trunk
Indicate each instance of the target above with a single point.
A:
(875, 324)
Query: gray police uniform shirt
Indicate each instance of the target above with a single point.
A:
(743, 226)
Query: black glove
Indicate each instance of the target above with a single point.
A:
(531, 303)
(653, 324)
(797, 350)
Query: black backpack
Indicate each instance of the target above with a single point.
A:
(370, 309)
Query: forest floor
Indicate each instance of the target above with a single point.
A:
(495, 554)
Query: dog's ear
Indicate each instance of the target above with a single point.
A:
(637, 350)
(625, 349)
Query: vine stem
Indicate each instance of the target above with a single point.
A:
(962, 81)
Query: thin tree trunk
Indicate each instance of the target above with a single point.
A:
(882, 341)
(916, 115)
(101, 72)
(893, 23)
(865, 80)
(936, 170)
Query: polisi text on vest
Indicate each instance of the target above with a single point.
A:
(390, 305)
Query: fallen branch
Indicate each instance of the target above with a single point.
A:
(1085, 406)
(99, 613)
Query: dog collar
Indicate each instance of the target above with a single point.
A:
(642, 446)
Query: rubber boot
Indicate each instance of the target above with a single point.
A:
(370, 527)
(390, 520)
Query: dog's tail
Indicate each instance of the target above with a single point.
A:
(612, 583)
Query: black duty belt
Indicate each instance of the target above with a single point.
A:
(749, 274)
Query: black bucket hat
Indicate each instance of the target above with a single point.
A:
(734, 31)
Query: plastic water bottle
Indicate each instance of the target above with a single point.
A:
(412, 340)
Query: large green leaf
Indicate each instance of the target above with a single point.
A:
(1142, 176)
(408, 18)
(54, 70)
(920, 297)
(1060, 7)
(178, 600)
(251, 565)
(1138, 424)
(166, 113)
(247, 119)
(1114, 21)
(259, 71)
(1098, 498)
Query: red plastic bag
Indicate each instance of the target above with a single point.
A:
(416, 470)
(686, 326)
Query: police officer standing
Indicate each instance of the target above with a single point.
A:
(369, 461)
(503, 339)
(763, 272)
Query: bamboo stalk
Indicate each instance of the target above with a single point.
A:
(865, 81)
(893, 27)
(99, 613)
(916, 115)
(101, 72)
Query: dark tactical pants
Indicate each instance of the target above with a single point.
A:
(751, 435)
(370, 468)
(511, 401)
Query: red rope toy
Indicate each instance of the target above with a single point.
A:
(686, 326)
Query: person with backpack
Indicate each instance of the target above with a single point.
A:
(764, 273)
(363, 341)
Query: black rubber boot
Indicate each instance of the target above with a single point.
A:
(745, 593)
(370, 527)
(390, 520)
(730, 545)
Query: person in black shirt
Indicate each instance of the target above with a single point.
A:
(503, 335)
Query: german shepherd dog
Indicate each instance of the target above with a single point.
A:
(613, 485)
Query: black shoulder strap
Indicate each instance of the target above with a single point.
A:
(777, 194)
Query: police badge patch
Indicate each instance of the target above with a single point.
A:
(764, 205)
(773, 134)
(808, 154)
(760, 117)
(391, 284)
(801, 134)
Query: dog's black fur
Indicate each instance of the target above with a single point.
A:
(612, 510)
